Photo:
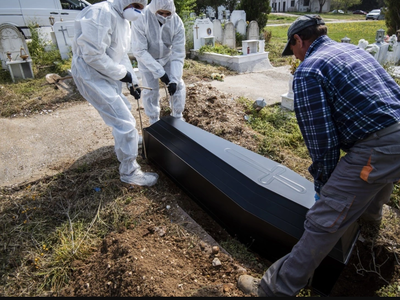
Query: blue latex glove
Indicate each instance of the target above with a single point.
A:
(316, 197)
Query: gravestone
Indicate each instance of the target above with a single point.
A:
(253, 31)
(12, 46)
(393, 55)
(221, 10)
(229, 35)
(373, 49)
(241, 27)
(217, 28)
(227, 14)
(238, 15)
(64, 32)
(11, 41)
(210, 12)
(203, 33)
(383, 52)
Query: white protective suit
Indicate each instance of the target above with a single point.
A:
(160, 49)
(100, 59)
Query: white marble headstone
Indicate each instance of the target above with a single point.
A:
(202, 28)
(218, 33)
(221, 10)
(210, 12)
(237, 15)
(64, 32)
(241, 27)
(229, 35)
(253, 31)
(11, 40)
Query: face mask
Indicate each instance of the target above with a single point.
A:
(163, 19)
(132, 14)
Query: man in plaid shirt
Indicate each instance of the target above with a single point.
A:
(343, 100)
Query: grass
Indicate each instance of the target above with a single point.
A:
(336, 31)
(49, 223)
(290, 17)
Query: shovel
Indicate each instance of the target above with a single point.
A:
(144, 153)
(55, 78)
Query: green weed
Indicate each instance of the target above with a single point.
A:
(220, 49)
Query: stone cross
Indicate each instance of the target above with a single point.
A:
(62, 31)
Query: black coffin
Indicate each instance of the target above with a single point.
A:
(257, 200)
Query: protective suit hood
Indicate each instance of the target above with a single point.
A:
(156, 5)
(119, 5)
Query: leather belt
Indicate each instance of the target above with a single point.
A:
(385, 131)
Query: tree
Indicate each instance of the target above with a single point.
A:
(321, 4)
(183, 6)
(256, 10)
(346, 4)
(368, 5)
(202, 4)
(392, 16)
(231, 4)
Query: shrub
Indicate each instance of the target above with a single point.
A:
(220, 49)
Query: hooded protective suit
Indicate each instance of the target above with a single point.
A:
(100, 59)
(159, 49)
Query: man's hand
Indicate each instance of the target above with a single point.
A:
(135, 91)
(127, 78)
(165, 79)
(172, 89)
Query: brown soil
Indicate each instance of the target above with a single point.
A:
(167, 254)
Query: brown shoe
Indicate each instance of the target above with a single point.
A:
(250, 285)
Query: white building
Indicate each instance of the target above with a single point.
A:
(299, 5)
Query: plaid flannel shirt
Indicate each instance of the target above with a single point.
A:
(341, 95)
